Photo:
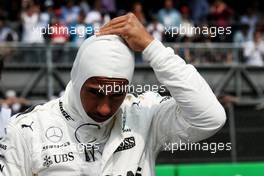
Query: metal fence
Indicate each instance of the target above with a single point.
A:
(47, 60)
(220, 63)
(201, 53)
(195, 53)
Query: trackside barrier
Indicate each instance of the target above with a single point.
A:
(223, 169)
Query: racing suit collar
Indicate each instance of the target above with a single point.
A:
(69, 105)
(75, 120)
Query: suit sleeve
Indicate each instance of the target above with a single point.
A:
(193, 113)
(14, 154)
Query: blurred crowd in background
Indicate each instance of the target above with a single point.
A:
(72, 21)
(19, 18)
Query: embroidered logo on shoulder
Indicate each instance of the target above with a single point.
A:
(127, 143)
(64, 113)
(165, 99)
(27, 126)
(136, 103)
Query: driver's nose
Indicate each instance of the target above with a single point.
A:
(104, 109)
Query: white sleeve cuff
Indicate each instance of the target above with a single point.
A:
(152, 50)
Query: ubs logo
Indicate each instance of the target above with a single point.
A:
(60, 158)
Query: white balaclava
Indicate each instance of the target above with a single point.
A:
(106, 56)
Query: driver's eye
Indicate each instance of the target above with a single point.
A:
(96, 92)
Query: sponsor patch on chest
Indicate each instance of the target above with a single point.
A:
(127, 143)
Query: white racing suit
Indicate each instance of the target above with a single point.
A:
(47, 141)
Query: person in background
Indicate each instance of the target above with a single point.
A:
(240, 37)
(6, 33)
(254, 50)
(83, 30)
(137, 9)
(109, 6)
(46, 14)
(13, 102)
(221, 14)
(31, 24)
(169, 17)
(199, 10)
(96, 17)
(59, 34)
(187, 22)
(251, 18)
(156, 29)
(70, 12)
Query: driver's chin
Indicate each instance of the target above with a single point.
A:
(100, 119)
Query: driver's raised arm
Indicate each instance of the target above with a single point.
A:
(194, 112)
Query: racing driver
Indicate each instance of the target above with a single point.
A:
(97, 130)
